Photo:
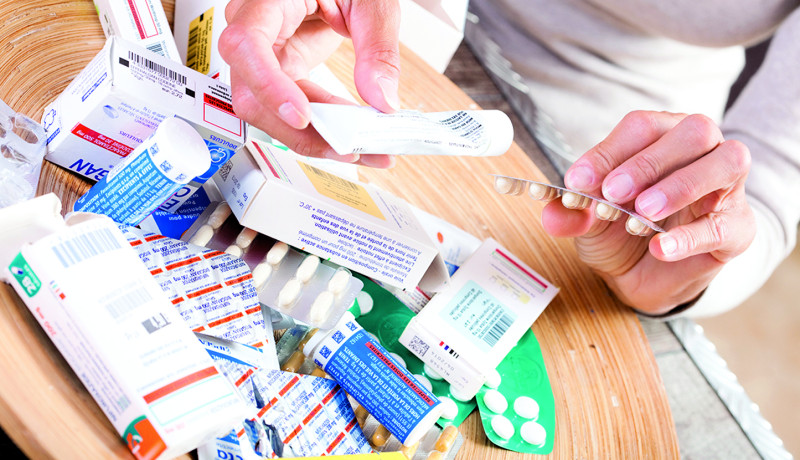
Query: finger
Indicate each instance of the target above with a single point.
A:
(730, 163)
(693, 137)
(723, 235)
(635, 132)
(562, 222)
(247, 45)
(374, 27)
(310, 45)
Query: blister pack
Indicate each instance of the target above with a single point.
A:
(517, 406)
(603, 209)
(290, 281)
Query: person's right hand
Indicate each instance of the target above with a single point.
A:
(272, 44)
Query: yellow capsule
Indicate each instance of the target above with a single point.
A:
(361, 415)
(294, 362)
(317, 372)
(446, 439)
(409, 451)
(606, 212)
(380, 436)
(435, 455)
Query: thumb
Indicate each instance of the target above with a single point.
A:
(374, 27)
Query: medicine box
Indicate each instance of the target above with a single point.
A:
(467, 329)
(139, 21)
(120, 98)
(355, 225)
(433, 29)
(198, 25)
(107, 316)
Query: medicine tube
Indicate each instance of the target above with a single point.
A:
(171, 157)
(366, 370)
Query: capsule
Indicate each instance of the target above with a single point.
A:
(380, 436)
(246, 237)
(294, 362)
(509, 186)
(572, 200)
(542, 192)
(446, 439)
(307, 269)
(605, 212)
(203, 235)
(636, 227)
(219, 215)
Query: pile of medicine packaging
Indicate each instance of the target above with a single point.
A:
(206, 273)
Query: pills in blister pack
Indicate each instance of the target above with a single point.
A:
(571, 199)
(533, 433)
(526, 407)
(502, 426)
(495, 401)
(297, 284)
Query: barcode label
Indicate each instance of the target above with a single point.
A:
(157, 68)
(493, 335)
(86, 246)
(333, 178)
(418, 346)
(119, 304)
(192, 48)
(157, 48)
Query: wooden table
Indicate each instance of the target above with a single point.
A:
(610, 402)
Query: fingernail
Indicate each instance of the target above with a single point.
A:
(668, 245)
(389, 89)
(579, 178)
(380, 161)
(651, 204)
(619, 188)
(348, 158)
(292, 116)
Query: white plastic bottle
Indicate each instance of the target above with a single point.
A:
(171, 157)
(367, 371)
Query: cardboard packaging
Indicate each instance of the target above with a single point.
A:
(433, 29)
(120, 98)
(354, 225)
(110, 320)
(139, 21)
(198, 25)
(469, 327)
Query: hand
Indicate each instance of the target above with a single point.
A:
(272, 44)
(673, 168)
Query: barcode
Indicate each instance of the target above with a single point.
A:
(334, 178)
(118, 305)
(158, 68)
(191, 48)
(86, 246)
(493, 335)
(224, 170)
(157, 48)
(418, 346)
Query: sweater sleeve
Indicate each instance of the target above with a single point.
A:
(766, 118)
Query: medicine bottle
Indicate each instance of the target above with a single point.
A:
(366, 370)
(171, 157)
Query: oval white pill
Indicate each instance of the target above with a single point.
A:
(431, 373)
(424, 381)
(202, 236)
(533, 433)
(234, 250)
(493, 379)
(277, 252)
(495, 401)
(261, 275)
(219, 215)
(398, 358)
(289, 293)
(245, 237)
(526, 407)
(321, 308)
(459, 395)
(307, 269)
(572, 200)
(449, 408)
(365, 302)
(339, 282)
(503, 427)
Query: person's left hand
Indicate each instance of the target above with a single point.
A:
(673, 168)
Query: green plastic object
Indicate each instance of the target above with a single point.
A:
(523, 374)
(387, 320)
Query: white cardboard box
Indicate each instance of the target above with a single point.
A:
(112, 323)
(467, 329)
(433, 29)
(198, 25)
(354, 225)
(120, 98)
(139, 21)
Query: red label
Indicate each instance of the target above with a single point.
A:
(101, 141)
(218, 103)
(180, 383)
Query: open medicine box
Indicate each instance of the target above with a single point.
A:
(467, 329)
(354, 225)
(120, 98)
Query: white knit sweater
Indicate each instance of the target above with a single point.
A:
(587, 63)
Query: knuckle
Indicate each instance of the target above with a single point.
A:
(703, 131)
(387, 54)
(717, 230)
(602, 157)
(642, 123)
(649, 165)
